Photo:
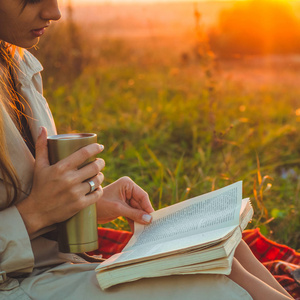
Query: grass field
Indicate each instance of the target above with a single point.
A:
(180, 125)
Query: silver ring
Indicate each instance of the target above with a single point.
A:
(92, 186)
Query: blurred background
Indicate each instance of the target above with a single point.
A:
(186, 97)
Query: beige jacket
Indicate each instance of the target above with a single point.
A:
(36, 269)
(18, 254)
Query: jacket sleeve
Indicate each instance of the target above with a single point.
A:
(16, 255)
(16, 249)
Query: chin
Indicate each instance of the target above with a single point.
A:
(32, 45)
(27, 44)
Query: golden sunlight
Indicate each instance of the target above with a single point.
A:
(155, 1)
(87, 2)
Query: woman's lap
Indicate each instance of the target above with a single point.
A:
(78, 281)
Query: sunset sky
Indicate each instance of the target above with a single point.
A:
(137, 1)
(147, 1)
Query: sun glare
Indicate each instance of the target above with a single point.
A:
(134, 1)
(153, 1)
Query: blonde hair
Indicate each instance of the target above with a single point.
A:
(9, 175)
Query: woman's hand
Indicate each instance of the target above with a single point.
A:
(59, 191)
(124, 198)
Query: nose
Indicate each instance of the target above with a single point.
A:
(50, 10)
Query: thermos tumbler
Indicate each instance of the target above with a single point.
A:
(79, 233)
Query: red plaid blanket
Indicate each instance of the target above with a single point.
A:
(111, 241)
(282, 261)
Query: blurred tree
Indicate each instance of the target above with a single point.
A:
(203, 50)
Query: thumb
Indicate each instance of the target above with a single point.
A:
(41, 148)
(137, 215)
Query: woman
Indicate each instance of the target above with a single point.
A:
(34, 196)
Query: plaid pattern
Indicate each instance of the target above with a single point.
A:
(282, 261)
(111, 241)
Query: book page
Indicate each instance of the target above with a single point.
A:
(200, 220)
(208, 212)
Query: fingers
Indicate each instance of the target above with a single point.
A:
(94, 196)
(77, 158)
(61, 190)
(41, 149)
(138, 206)
(138, 197)
(124, 198)
(93, 183)
(136, 215)
(143, 201)
(68, 167)
(90, 170)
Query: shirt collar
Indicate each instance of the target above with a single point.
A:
(27, 65)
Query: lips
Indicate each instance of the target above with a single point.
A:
(38, 32)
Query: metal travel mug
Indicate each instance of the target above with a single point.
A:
(79, 233)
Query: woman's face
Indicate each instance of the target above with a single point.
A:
(23, 22)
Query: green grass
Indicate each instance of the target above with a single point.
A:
(180, 131)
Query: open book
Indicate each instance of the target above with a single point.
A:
(195, 236)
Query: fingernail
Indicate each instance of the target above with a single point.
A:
(147, 218)
(101, 147)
